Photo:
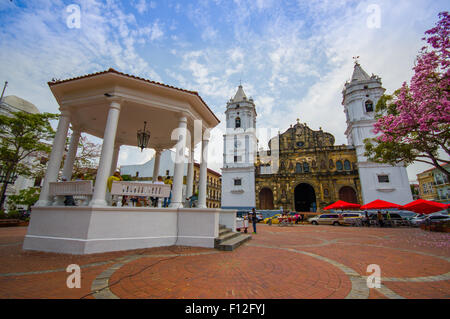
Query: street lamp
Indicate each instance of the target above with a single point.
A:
(143, 137)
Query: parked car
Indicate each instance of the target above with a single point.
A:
(273, 218)
(349, 218)
(431, 219)
(327, 219)
(416, 221)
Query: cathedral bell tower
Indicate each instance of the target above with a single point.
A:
(378, 181)
(238, 172)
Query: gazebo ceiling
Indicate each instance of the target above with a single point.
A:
(88, 98)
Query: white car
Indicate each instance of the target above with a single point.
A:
(430, 219)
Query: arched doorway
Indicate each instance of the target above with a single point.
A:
(348, 194)
(305, 198)
(265, 199)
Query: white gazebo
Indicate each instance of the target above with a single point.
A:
(113, 106)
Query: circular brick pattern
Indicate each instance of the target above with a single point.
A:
(249, 272)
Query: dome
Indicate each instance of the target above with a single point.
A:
(20, 104)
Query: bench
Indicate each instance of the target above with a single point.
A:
(80, 190)
(140, 189)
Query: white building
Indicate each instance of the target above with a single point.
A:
(240, 146)
(9, 104)
(378, 181)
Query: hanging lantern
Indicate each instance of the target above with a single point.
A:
(143, 138)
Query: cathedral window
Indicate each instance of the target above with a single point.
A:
(305, 167)
(339, 166)
(347, 165)
(331, 164)
(238, 122)
(298, 168)
(369, 106)
(237, 182)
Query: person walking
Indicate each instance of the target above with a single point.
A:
(254, 220)
(367, 219)
(380, 219)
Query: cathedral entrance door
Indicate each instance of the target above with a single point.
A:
(348, 194)
(265, 199)
(305, 198)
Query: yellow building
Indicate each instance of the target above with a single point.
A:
(213, 186)
(434, 185)
(311, 172)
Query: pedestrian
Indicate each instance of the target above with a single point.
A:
(380, 219)
(367, 219)
(254, 220)
(124, 200)
(68, 199)
(155, 199)
(114, 178)
(168, 181)
(388, 217)
(297, 217)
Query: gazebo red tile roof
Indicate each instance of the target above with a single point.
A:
(111, 70)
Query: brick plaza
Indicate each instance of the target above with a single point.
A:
(278, 263)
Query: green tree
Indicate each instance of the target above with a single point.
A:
(23, 135)
(26, 197)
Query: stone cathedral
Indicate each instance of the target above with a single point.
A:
(304, 170)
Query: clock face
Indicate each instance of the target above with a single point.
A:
(300, 144)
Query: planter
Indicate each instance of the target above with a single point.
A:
(23, 223)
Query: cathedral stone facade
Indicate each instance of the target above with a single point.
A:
(312, 172)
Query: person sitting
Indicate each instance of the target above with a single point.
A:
(68, 199)
(115, 177)
(168, 181)
(193, 200)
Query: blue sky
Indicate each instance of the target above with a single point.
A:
(293, 57)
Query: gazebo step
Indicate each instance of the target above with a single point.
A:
(223, 231)
(234, 242)
(224, 236)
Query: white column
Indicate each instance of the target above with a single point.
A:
(156, 165)
(71, 154)
(104, 167)
(190, 171)
(115, 159)
(202, 186)
(177, 187)
(56, 155)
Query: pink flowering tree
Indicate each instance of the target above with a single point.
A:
(413, 123)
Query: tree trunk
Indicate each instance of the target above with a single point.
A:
(4, 187)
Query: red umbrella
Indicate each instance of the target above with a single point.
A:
(380, 204)
(422, 206)
(340, 204)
